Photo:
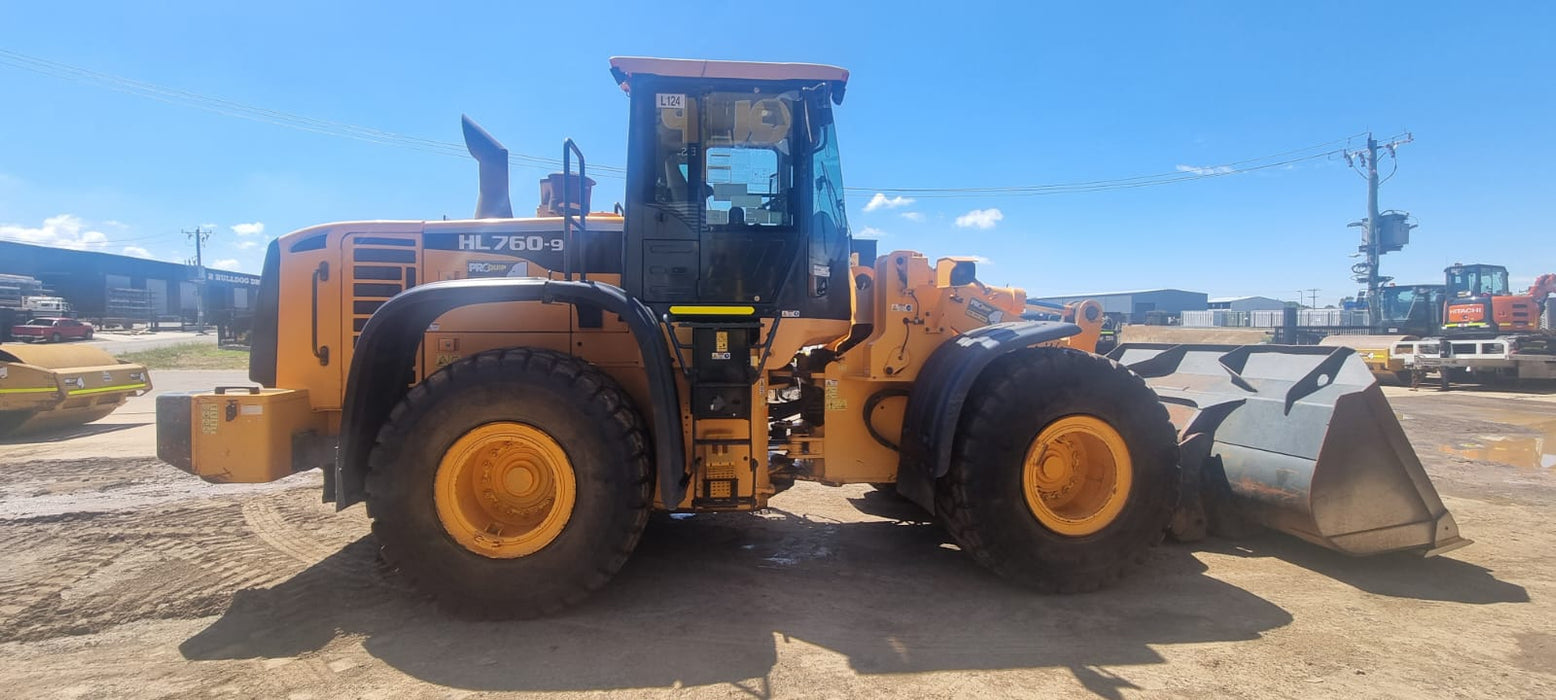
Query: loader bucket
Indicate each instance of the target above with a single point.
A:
(1307, 443)
(55, 386)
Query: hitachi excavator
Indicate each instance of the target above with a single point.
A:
(1480, 301)
(511, 397)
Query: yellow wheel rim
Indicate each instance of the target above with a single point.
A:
(505, 490)
(1077, 475)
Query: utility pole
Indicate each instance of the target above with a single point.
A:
(1372, 244)
(1305, 293)
(199, 236)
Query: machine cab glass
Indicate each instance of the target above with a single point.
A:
(734, 194)
(1466, 281)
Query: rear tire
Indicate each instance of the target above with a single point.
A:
(88, 335)
(577, 410)
(984, 499)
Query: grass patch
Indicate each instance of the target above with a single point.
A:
(189, 356)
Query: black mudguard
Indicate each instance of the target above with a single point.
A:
(935, 406)
(385, 353)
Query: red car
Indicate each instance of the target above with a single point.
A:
(52, 329)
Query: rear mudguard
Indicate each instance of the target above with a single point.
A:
(1297, 438)
(386, 350)
(935, 406)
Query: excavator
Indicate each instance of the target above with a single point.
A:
(513, 396)
(1481, 303)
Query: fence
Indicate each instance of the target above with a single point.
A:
(1306, 318)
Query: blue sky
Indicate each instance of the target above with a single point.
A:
(942, 96)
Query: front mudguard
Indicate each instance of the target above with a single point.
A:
(935, 405)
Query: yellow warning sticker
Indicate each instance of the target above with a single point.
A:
(834, 397)
(210, 419)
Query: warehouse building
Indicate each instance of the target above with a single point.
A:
(1137, 306)
(1246, 304)
(119, 289)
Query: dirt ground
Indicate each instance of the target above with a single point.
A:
(122, 577)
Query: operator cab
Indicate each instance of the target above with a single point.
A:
(734, 193)
(1410, 309)
(1469, 281)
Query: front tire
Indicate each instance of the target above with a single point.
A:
(510, 484)
(1064, 470)
(57, 338)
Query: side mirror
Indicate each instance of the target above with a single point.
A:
(818, 111)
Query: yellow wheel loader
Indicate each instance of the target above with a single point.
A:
(57, 386)
(511, 397)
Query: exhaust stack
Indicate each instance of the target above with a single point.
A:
(493, 202)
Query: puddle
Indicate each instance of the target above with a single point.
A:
(1523, 451)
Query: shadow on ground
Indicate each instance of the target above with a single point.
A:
(69, 433)
(717, 599)
(1402, 575)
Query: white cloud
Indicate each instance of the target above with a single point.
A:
(228, 264)
(881, 201)
(980, 218)
(982, 261)
(253, 229)
(137, 251)
(63, 231)
(870, 232)
(247, 245)
(1207, 170)
(912, 215)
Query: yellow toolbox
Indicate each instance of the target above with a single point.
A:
(239, 434)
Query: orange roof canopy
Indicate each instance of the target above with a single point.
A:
(624, 67)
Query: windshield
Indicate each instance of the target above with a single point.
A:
(1398, 301)
(1409, 303)
(829, 218)
(1494, 282)
(829, 181)
(1477, 280)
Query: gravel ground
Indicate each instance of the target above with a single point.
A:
(122, 577)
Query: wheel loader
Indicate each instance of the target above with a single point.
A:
(512, 397)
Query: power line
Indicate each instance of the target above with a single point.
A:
(1074, 188)
(326, 127)
(240, 110)
(1179, 175)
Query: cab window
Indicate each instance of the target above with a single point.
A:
(749, 164)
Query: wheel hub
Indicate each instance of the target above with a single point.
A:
(505, 490)
(1077, 475)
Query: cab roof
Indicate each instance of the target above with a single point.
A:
(624, 67)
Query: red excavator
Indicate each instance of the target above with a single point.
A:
(1480, 302)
